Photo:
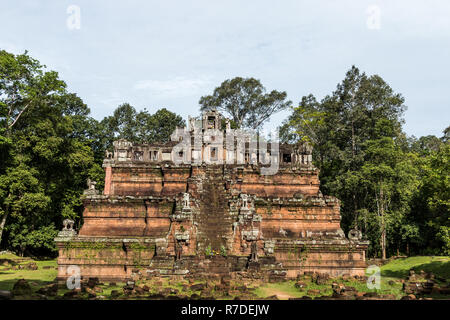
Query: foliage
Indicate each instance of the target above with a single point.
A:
(49, 146)
(399, 268)
(246, 101)
(392, 187)
(48, 158)
(208, 251)
(431, 201)
(142, 127)
(36, 278)
(223, 251)
(444, 236)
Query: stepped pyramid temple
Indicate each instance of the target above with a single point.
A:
(209, 204)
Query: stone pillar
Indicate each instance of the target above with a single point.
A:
(108, 174)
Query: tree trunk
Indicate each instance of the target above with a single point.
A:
(383, 226)
(2, 225)
(5, 214)
(353, 142)
(355, 206)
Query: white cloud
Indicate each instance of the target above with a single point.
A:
(10, 47)
(171, 53)
(177, 86)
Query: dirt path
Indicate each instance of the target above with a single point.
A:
(280, 294)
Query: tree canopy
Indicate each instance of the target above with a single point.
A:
(46, 160)
(392, 187)
(49, 146)
(142, 127)
(246, 101)
(367, 161)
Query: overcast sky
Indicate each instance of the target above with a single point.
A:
(168, 53)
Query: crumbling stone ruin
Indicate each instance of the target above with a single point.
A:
(161, 217)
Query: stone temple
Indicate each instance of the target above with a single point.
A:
(209, 217)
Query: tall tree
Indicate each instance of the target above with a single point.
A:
(389, 178)
(344, 129)
(23, 86)
(127, 123)
(431, 204)
(158, 127)
(48, 159)
(246, 101)
(122, 124)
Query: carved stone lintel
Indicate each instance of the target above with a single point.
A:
(269, 246)
(182, 236)
(250, 235)
(185, 214)
(245, 212)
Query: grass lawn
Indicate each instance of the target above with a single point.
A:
(391, 275)
(399, 268)
(286, 290)
(36, 278)
(283, 290)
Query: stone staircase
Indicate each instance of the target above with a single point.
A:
(215, 223)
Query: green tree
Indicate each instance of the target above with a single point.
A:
(23, 86)
(389, 178)
(24, 200)
(351, 130)
(158, 127)
(425, 145)
(431, 204)
(246, 101)
(143, 127)
(122, 124)
(43, 129)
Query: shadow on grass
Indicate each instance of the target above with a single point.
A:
(439, 268)
(9, 284)
(9, 261)
(4, 272)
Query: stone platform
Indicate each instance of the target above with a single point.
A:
(230, 211)
(158, 216)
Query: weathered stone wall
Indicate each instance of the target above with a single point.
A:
(279, 225)
(110, 259)
(130, 179)
(126, 217)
